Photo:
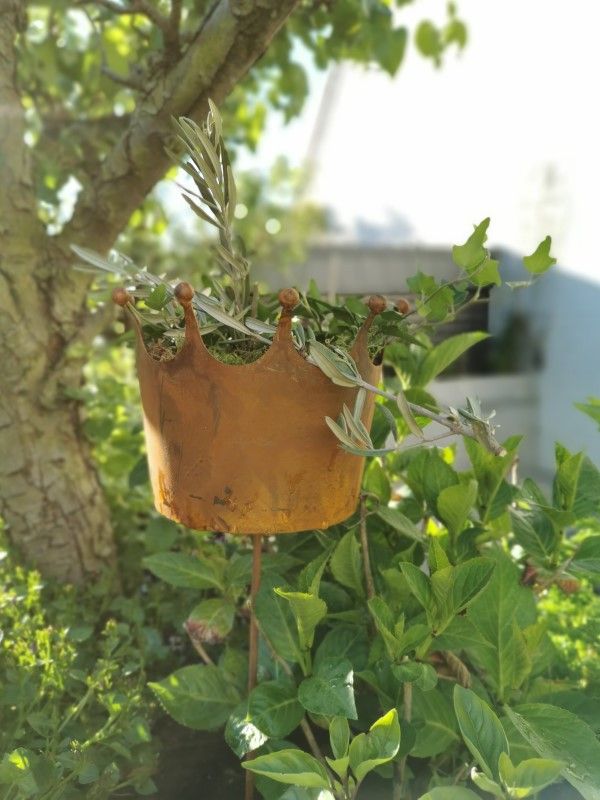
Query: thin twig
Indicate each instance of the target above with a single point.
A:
(369, 582)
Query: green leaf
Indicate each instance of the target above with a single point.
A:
(197, 696)
(455, 503)
(421, 675)
(400, 523)
(384, 622)
(428, 474)
(481, 780)
(481, 730)
(346, 563)
(379, 745)
(535, 532)
(530, 776)
(558, 735)
(540, 260)
(566, 479)
(486, 273)
(212, 619)
(330, 691)
(344, 641)
(308, 611)
(277, 621)
(419, 584)
(471, 254)
(290, 766)
(591, 408)
(274, 709)
(450, 793)
(442, 355)
(186, 571)
(497, 619)
(376, 482)
(241, 734)
(339, 736)
(587, 557)
(437, 730)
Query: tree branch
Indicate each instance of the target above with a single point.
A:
(229, 41)
(17, 197)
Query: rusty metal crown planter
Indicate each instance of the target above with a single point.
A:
(245, 448)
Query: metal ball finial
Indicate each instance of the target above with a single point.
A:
(377, 304)
(184, 292)
(289, 299)
(121, 297)
(402, 306)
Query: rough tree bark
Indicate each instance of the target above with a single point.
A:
(50, 497)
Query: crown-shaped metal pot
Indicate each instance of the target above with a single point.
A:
(245, 448)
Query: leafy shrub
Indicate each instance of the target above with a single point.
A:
(430, 642)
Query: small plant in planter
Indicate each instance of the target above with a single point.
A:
(403, 641)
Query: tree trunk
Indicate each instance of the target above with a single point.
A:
(50, 496)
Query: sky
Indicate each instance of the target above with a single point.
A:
(509, 128)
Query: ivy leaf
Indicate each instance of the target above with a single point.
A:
(186, 571)
(198, 696)
(472, 253)
(330, 691)
(557, 734)
(540, 260)
(481, 730)
(290, 766)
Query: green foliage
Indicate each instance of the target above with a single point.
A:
(75, 713)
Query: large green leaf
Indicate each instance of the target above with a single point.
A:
(378, 746)
(241, 734)
(535, 532)
(454, 588)
(277, 621)
(186, 571)
(498, 617)
(290, 766)
(274, 709)
(308, 611)
(469, 255)
(329, 692)
(344, 641)
(400, 523)
(198, 696)
(428, 474)
(559, 735)
(437, 730)
(346, 563)
(454, 504)
(481, 730)
(442, 355)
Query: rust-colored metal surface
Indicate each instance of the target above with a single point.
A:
(245, 448)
